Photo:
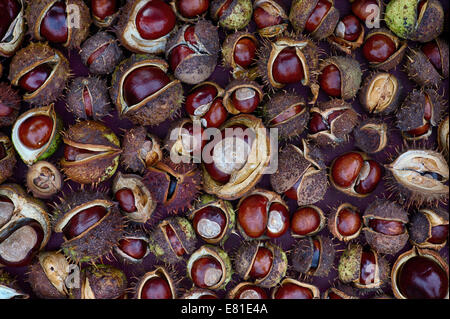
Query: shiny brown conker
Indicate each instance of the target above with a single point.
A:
(317, 15)
(244, 52)
(262, 263)
(293, 291)
(305, 221)
(155, 20)
(432, 52)
(378, 48)
(133, 247)
(36, 131)
(287, 67)
(387, 227)
(368, 184)
(103, 8)
(192, 8)
(143, 82)
(156, 288)
(330, 80)
(126, 200)
(251, 292)
(353, 27)
(348, 222)
(54, 24)
(245, 100)
(263, 19)
(33, 80)
(72, 154)
(278, 214)
(422, 278)
(83, 220)
(361, 10)
(206, 272)
(200, 96)
(175, 243)
(209, 214)
(216, 115)
(346, 169)
(252, 215)
(178, 54)
(439, 234)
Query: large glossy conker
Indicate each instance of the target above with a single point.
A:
(206, 272)
(244, 52)
(155, 19)
(378, 48)
(36, 131)
(84, 220)
(33, 80)
(287, 67)
(192, 8)
(9, 9)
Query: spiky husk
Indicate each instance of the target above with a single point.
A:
(134, 140)
(293, 165)
(188, 186)
(403, 18)
(351, 74)
(100, 282)
(420, 69)
(385, 210)
(8, 162)
(279, 103)
(340, 127)
(77, 33)
(410, 115)
(303, 253)
(31, 56)
(98, 241)
(10, 98)
(199, 66)
(364, 95)
(300, 12)
(40, 283)
(245, 256)
(160, 245)
(420, 227)
(237, 16)
(160, 106)
(98, 95)
(371, 135)
(310, 52)
(96, 170)
(107, 61)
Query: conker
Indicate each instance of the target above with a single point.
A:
(36, 131)
(307, 221)
(345, 222)
(244, 52)
(287, 67)
(293, 289)
(192, 8)
(155, 19)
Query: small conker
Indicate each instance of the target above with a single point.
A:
(307, 221)
(345, 222)
(270, 18)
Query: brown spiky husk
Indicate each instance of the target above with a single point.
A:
(300, 12)
(98, 241)
(303, 252)
(8, 162)
(280, 102)
(364, 92)
(198, 66)
(98, 93)
(410, 115)
(351, 74)
(420, 69)
(385, 210)
(164, 104)
(40, 284)
(292, 167)
(133, 143)
(31, 55)
(371, 140)
(189, 181)
(107, 61)
(420, 226)
(161, 247)
(77, 34)
(105, 282)
(244, 259)
(9, 97)
(431, 25)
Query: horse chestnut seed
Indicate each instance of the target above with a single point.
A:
(126, 200)
(252, 215)
(206, 272)
(378, 48)
(83, 220)
(33, 80)
(346, 169)
(36, 131)
(54, 24)
(305, 221)
(155, 20)
(192, 8)
(245, 100)
(156, 288)
(262, 263)
(244, 52)
(133, 247)
(9, 9)
(330, 80)
(293, 291)
(287, 67)
(362, 10)
(263, 19)
(317, 15)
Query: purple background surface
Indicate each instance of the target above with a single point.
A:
(222, 76)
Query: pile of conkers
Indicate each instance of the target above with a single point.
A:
(328, 157)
